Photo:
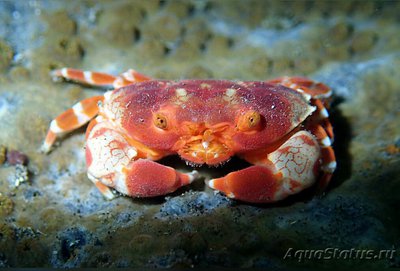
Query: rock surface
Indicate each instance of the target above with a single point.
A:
(52, 216)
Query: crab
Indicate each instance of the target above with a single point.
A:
(281, 127)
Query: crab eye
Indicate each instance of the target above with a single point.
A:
(160, 121)
(249, 121)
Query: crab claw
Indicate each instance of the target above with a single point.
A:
(145, 178)
(276, 175)
(253, 184)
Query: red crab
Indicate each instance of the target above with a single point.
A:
(280, 126)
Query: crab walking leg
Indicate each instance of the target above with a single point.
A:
(322, 116)
(328, 164)
(114, 163)
(305, 85)
(75, 117)
(288, 170)
(101, 79)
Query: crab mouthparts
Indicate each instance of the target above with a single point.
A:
(207, 148)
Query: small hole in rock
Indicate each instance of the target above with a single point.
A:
(137, 35)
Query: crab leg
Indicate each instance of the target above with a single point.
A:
(274, 176)
(317, 90)
(71, 119)
(101, 79)
(328, 164)
(113, 162)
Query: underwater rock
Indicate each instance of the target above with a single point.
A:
(69, 250)
(192, 204)
(15, 157)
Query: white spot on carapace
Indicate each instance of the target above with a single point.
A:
(216, 155)
(181, 94)
(230, 95)
(205, 86)
(230, 92)
(194, 154)
(205, 144)
(272, 106)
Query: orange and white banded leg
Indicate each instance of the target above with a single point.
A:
(114, 163)
(71, 119)
(291, 168)
(101, 79)
(305, 85)
(321, 116)
(328, 160)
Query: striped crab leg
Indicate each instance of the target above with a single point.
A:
(71, 119)
(82, 112)
(101, 79)
(305, 85)
(328, 160)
